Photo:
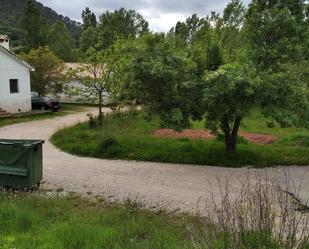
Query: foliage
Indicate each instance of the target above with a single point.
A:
(34, 26)
(277, 32)
(97, 77)
(250, 55)
(162, 78)
(89, 19)
(120, 24)
(10, 21)
(89, 39)
(48, 75)
(230, 93)
(61, 42)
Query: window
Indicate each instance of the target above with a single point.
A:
(14, 86)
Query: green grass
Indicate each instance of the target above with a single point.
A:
(129, 137)
(28, 222)
(65, 110)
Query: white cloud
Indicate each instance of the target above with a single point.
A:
(161, 14)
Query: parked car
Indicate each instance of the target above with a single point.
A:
(44, 103)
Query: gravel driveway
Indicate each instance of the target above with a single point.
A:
(172, 186)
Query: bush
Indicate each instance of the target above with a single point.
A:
(298, 139)
(107, 142)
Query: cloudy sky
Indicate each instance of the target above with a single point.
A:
(161, 14)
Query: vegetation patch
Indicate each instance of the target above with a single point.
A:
(129, 136)
(247, 220)
(29, 222)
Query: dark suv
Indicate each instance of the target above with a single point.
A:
(44, 103)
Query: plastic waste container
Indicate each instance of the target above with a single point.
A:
(21, 163)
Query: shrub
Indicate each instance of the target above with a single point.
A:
(107, 142)
(298, 139)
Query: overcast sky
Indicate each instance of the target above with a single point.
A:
(161, 14)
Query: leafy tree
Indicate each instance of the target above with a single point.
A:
(167, 83)
(48, 75)
(89, 39)
(34, 25)
(229, 94)
(97, 76)
(60, 41)
(89, 19)
(277, 32)
(161, 80)
(120, 24)
(214, 57)
(232, 38)
(234, 14)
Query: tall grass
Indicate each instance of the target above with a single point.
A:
(259, 215)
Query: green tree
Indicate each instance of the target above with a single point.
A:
(232, 38)
(89, 19)
(277, 32)
(97, 75)
(161, 78)
(33, 25)
(60, 41)
(48, 75)
(89, 39)
(167, 83)
(229, 94)
(120, 24)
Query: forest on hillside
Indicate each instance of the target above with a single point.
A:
(10, 19)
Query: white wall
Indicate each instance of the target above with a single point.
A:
(12, 69)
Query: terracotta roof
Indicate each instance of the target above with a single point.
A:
(81, 70)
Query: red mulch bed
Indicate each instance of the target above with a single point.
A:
(204, 134)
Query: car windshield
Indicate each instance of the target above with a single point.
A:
(47, 99)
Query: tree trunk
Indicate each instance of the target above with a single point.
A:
(100, 118)
(230, 137)
(230, 144)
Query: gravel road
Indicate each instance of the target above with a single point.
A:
(179, 187)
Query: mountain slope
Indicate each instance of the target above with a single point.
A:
(11, 11)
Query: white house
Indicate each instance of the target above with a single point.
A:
(15, 88)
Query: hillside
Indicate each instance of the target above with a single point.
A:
(11, 11)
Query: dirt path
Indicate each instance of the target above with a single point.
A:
(170, 185)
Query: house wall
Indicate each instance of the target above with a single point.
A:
(11, 69)
(66, 98)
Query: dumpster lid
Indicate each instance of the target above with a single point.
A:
(21, 142)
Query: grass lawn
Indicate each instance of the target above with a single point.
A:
(28, 222)
(126, 136)
(65, 110)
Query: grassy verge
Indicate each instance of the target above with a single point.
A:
(65, 110)
(28, 222)
(38, 221)
(127, 136)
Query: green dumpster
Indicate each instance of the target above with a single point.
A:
(20, 163)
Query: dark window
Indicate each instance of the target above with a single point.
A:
(14, 86)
